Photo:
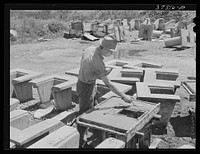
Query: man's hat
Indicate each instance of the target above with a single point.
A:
(109, 42)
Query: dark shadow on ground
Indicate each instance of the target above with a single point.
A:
(183, 126)
(179, 48)
(33, 107)
(158, 128)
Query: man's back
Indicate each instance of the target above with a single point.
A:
(92, 65)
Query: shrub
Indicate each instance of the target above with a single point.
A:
(31, 28)
(56, 26)
(43, 23)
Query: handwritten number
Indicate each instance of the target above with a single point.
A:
(182, 7)
(169, 7)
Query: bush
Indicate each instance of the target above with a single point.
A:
(31, 28)
(47, 23)
(28, 27)
(55, 26)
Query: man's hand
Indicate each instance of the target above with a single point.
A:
(127, 99)
(131, 99)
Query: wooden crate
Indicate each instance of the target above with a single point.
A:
(29, 135)
(19, 81)
(116, 76)
(167, 101)
(162, 76)
(64, 137)
(59, 86)
(122, 123)
(142, 64)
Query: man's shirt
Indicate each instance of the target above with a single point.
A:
(92, 66)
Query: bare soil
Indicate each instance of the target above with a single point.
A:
(60, 54)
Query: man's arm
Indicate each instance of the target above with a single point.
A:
(112, 87)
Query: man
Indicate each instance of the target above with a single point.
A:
(92, 67)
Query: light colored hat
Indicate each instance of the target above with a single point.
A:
(109, 42)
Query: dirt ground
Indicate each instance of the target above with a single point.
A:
(60, 54)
